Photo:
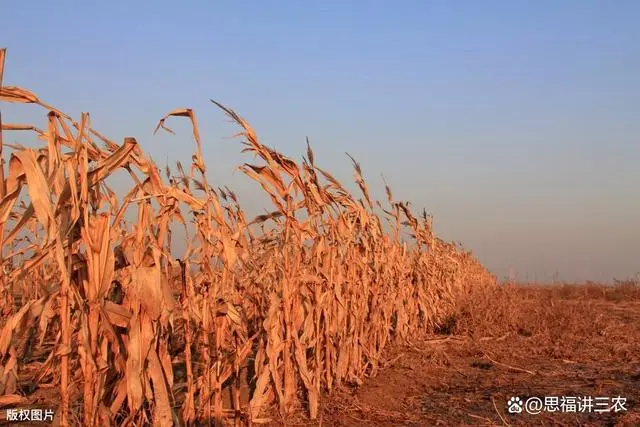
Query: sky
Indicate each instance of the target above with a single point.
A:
(515, 124)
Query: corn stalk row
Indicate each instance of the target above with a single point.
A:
(255, 316)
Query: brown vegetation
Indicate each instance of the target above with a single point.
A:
(255, 314)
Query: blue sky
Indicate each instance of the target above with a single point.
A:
(516, 124)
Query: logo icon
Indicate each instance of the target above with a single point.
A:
(514, 405)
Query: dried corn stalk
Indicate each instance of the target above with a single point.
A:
(254, 315)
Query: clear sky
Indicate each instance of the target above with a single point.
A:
(515, 123)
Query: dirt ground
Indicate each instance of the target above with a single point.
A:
(562, 342)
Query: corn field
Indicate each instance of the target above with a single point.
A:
(256, 317)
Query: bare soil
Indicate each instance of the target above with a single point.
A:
(572, 342)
